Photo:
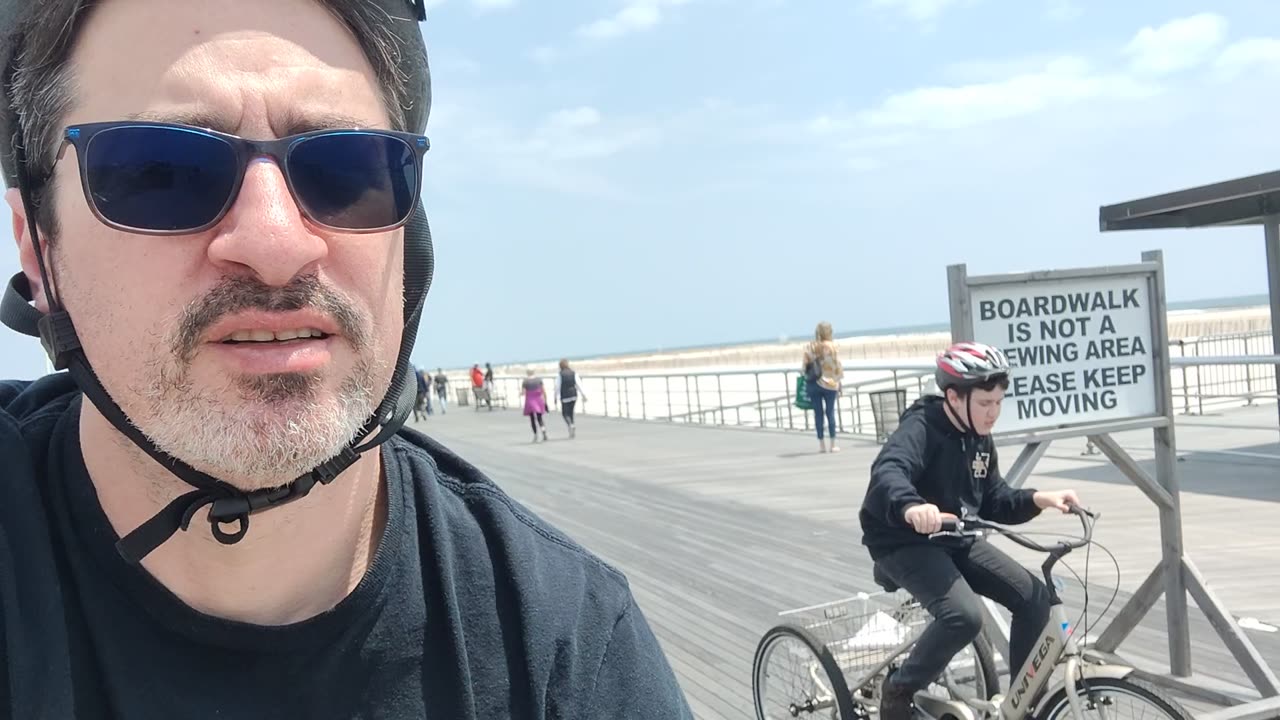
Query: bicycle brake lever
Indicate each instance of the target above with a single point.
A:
(958, 533)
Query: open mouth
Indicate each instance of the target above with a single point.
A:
(252, 337)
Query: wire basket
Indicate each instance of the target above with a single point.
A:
(863, 631)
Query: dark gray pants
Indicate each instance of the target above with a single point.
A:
(947, 582)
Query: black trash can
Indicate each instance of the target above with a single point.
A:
(887, 407)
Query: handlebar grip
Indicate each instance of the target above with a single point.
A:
(950, 524)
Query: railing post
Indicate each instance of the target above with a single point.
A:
(786, 383)
(688, 403)
(720, 399)
(759, 402)
(697, 395)
(644, 415)
(666, 382)
(627, 391)
(1248, 375)
(1186, 389)
(1199, 382)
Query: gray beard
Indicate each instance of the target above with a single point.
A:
(255, 432)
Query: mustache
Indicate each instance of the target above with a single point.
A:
(240, 293)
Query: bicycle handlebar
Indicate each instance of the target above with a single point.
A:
(974, 527)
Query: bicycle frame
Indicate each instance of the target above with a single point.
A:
(1056, 646)
(866, 677)
(1054, 643)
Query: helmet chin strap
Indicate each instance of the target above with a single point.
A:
(965, 423)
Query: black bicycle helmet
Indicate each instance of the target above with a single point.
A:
(229, 507)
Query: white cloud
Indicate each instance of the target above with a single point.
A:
(1247, 54)
(579, 117)
(629, 19)
(967, 72)
(579, 133)
(572, 150)
(862, 164)
(865, 142)
(920, 10)
(1063, 10)
(1178, 44)
(635, 16)
(983, 100)
(1062, 81)
(482, 5)
(544, 54)
(454, 63)
(826, 124)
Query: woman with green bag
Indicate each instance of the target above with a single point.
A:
(822, 374)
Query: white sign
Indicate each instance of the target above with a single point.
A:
(1081, 349)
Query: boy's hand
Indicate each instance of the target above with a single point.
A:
(1060, 499)
(925, 519)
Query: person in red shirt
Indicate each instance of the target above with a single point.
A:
(479, 389)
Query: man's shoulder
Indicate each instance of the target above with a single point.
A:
(23, 402)
(471, 502)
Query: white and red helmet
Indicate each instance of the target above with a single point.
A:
(966, 364)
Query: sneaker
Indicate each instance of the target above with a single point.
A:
(544, 436)
(573, 431)
(895, 701)
(835, 449)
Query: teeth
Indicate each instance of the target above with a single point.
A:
(268, 336)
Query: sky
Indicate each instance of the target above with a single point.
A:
(618, 175)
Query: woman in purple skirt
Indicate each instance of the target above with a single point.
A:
(535, 404)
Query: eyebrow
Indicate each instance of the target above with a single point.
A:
(295, 122)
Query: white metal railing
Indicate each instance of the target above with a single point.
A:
(1221, 370)
(765, 397)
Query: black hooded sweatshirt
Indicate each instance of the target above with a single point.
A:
(929, 460)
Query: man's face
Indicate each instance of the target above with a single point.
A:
(984, 406)
(153, 312)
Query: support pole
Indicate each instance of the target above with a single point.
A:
(1133, 611)
(1021, 468)
(1132, 470)
(1233, 637)
(1272, 227)
(1177, 617)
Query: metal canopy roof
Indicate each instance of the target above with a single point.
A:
(1243, 201)
(1253, 200)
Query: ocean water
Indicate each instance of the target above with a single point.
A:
(1226, 303)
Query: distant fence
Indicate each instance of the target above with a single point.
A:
(1200, 383)
(1208, 373)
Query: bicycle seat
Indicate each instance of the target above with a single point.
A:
(884, 581)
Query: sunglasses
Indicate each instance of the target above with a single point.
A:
(169, 179)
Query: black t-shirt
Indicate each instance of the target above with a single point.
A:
(472, 607)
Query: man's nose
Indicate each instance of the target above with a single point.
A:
(265, 231)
